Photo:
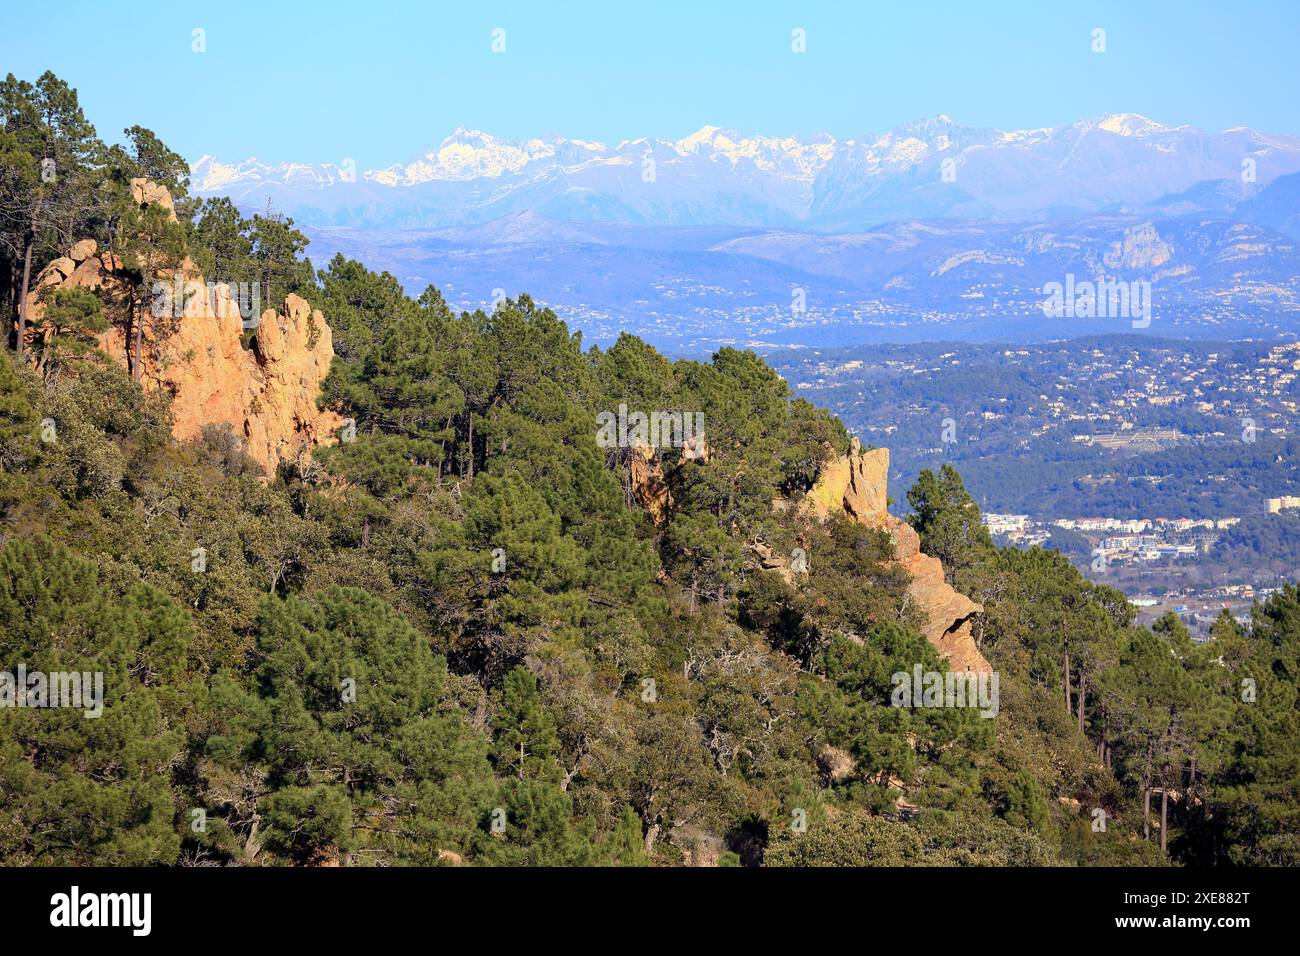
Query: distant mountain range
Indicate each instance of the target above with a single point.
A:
(933, 230)
(935, 168)
(689, 289)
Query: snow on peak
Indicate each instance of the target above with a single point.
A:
(1129, 124)
(704, 136)
(471, 154)
(465, 154)
(210, 175)
(461, 136)
(786, 156)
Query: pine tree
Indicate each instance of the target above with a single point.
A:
(526, 743)
(151, 244)
(91, 790)
(947, 519)
(67, 329)
(49, 149)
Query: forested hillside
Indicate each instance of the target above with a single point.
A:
(458, 634)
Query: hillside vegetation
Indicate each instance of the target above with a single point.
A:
(459, 637)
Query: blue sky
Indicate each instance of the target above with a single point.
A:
(379, 81)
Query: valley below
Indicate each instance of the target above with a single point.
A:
(1165, 468)
(690, 290)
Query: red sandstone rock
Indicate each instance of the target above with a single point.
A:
(856, 485)
(193, 350)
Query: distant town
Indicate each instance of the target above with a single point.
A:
(1170, 470)
(1121, 540)
(1152, 544)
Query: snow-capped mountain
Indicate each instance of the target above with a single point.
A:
(932, 168)
(213, 177)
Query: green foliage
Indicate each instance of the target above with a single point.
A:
(947, 518)
(19, 434)
(346, 719)
(460, 638)
(1259, 782)
(526, 742)
(853, 838)
(81, 789)
(67, 329)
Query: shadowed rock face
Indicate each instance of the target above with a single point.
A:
(646, 479)
(194, 351)
(646, 475)
(856, 484)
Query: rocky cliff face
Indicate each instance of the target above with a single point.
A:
(646, 479)
(856, 485)
(265, 390)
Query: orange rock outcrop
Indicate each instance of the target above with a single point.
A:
(646, 477)
(856, 484)
(265, 389)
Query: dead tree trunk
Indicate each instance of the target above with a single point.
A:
(1146, 795)
(139, 343)
(651, 835)
(11, 303)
